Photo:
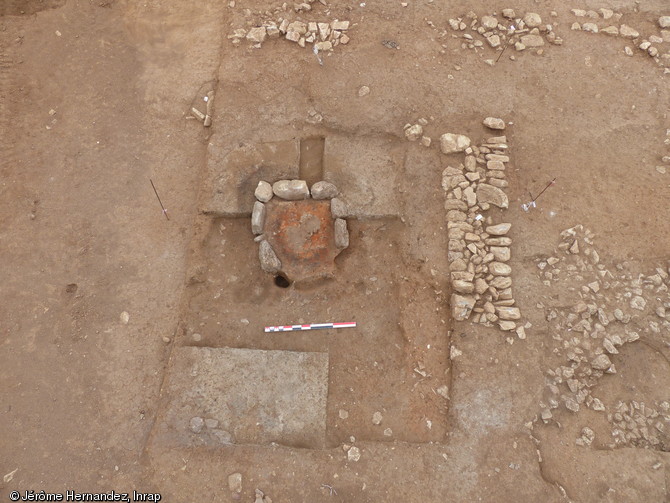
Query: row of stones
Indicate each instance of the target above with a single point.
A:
(449, 142)
(294, 190)
(522, 32)
(478, 251)
(625, 31)
(324, 36)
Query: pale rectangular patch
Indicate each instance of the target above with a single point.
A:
(367, 170)
(245, 396)
(234, 173)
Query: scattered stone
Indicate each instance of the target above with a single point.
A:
(501, 282)
(601, 362)
(124, 317)
(470, 196)
(414, 132)
(343, 414)
(235, 482)
(363, 91)
(493, 40)
(571, 405)
(508, 313)
(587, 436)
(338, 208)
(377, 418)
(499, 269)
(211, 423)
(609, 347)
(196, 424)
(462, 286)
(500, 253)
(323, 46)
(354, 454)
(489, 22)
(590, 27)
(506, 325)
(481, 286)
(263, 192)
(594, 286)
(273, 31)
(664, 21)
(628, 32)
(620, 316)
(532, 40)
(508, 13)
(638, 303)
(597, 404)
(269, 261)
(628, 51)
(341, 233)
(297, 26)
(258, 218)
(610, 30)
(462, 306)
(574, 248)
(493, 195)
(339, 25)
(291, 190)
(323, 190)
(450, 143)
(293, 36)
(494, 123)
(426, 141)
(257, 35)
(499, 229)
(388, 432)
(261, 498)
(521, 332)
(443, 391)
(532, 20)
(606, 13)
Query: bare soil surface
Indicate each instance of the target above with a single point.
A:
(103, 294)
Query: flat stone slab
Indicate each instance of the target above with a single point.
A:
(233, 174)
(367, 171)
(245, 396)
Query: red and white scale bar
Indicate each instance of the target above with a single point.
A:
(310, 326)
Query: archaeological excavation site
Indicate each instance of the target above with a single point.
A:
(335, 251)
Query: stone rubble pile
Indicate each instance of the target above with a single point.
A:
(498, 31)
(613, 308)
(650, 45)
(323, 36)
(294, 190)
(638, 424)
(478, 249)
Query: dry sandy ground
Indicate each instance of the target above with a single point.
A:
(94, 101)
